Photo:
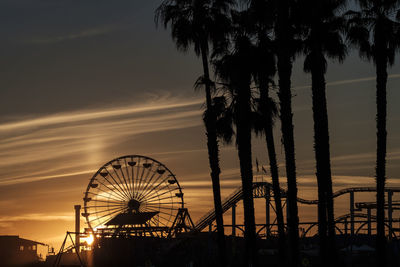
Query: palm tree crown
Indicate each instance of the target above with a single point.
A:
(195, 22)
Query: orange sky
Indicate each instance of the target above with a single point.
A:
(82, 85)
(48, 161)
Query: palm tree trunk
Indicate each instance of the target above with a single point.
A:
(213, 157)
(322, 157)
(269, 138)
(243, 139)
(381, 80)
(285, 98)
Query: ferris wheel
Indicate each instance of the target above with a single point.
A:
(132, 191)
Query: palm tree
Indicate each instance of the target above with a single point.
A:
(323, 38)
(375, 30)
(235, 70)
(264, 123)
(197, 23)
(261, 21)
(286, 47)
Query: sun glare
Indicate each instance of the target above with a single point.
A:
(89, 240)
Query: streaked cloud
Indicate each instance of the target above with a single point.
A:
(156, 105)
(68, 139)
(86, 33)
(39, 177)
(351, 81)
(36, 217)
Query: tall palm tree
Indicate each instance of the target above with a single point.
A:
(258, 20)
(235, 70)
(261, 18)
(323, 38)
(375, 29)
(286, 48)
(264, 123)
(197, 23)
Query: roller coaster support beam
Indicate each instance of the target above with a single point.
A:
(390, 212)
(234, 220)
(352, 213)
(267, 214)
(369, 221)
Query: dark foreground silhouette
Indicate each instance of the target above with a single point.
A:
(201, 250)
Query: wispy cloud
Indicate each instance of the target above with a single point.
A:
(85, 33)
(157, 105)
(36, 217)
(351, 81)
(39, 177)
(72, 141)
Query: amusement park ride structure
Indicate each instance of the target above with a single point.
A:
(139, 196)
(135, 196)
(264, 190)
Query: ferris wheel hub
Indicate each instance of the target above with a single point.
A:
(134, 205)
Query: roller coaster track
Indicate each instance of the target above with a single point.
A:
(259, 190)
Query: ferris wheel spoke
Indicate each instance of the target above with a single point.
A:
(120, 189)
(161, 194)
(118, 183)
(153, 191)
(128, 177)
(154, 200)
(133, 177)
(115, 191)
(110, 191)
(156, 192)
(137, 176)
(146, 172)
(110, 195)
(143, 178)
(162, 208)
(123, 180)
(105, 200)
(126, 183)
(165, 208)
(125, 177)
(144, 192)
(106, 215)
(108, 211)
(160, 203)
(109, 201)
(108, 206)
(147, 184)
(150, 185)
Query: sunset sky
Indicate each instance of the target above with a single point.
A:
(83, 82)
